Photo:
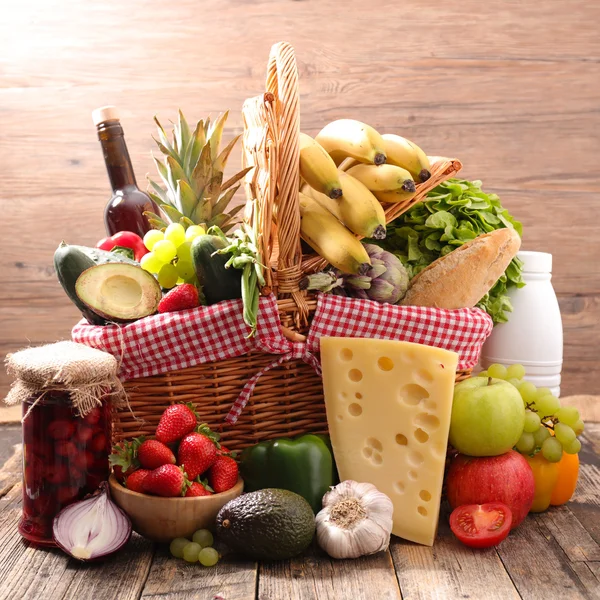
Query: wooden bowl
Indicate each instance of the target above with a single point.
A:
(163, 519)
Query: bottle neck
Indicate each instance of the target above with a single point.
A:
(116, 155)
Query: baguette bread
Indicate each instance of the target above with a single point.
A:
(463, 277)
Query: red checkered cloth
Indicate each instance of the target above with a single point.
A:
(172, 341)
(463, 331)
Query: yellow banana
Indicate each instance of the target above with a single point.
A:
(388, 183)
(347, 137)
(347, 163)
(317, 167)
(327, 236)
(357, 209)
(406, 154)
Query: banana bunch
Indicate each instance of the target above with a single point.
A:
(329, 238)
(348, 169)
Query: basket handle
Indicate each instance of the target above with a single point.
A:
(282, 82)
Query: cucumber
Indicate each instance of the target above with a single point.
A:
(218, 283)
(71, 261)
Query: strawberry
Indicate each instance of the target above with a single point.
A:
(197, 489)
(93, 416)
(197, 452)
(168, 481)
(223, 475)
(124, 459)
(61, 430)
(99, 443)
(177, 420)
(153, 454)
(66, 449)
(135, 481)
(181, 297)
(84, 434)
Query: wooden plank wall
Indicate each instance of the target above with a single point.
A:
(510, 87)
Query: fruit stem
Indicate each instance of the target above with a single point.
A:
(226, 523)
(489, 381)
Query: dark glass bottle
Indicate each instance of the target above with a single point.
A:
(125, 211)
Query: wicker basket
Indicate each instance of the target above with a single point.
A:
(288, 400)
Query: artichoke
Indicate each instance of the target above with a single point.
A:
(385, 281)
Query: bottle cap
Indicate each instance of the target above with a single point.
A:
(105, 113)
(536, 262)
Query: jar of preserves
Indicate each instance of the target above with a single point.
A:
(66, 391)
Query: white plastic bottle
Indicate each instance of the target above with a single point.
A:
(533, 336)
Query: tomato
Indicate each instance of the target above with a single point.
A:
(481, 525)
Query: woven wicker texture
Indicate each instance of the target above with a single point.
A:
(287, 400)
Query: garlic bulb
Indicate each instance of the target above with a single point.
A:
(356, 520)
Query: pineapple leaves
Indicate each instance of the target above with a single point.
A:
(235, 178)
(171, 212)
(186, 222)
(203, 211)
(221, 160)
(224, 200)
(186, 197)
(159, 191)
(182, 133)
(202, 172)
(162, 171)
(216, 133)
(163, 138)
(155, 220)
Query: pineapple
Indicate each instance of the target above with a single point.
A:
(192, 173)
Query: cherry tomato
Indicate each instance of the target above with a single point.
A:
(481, 525)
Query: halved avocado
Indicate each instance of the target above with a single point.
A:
(119, 292)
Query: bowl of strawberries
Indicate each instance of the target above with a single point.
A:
(175, 482)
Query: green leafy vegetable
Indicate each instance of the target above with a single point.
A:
(453, 213)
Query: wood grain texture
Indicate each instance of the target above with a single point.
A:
(315, 576)
(512, 89)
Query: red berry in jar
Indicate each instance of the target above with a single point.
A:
(93, 416)
(61, 429)
(66, 449)
(56, 473)
(99, 443)
(84, 434)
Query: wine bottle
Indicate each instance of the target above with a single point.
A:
(125, 210)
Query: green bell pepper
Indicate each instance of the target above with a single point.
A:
(303, 465)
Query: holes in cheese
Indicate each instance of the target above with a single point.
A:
(385, 363)
(415, 458)
(425, 495)
(406, 409)
(355, 409)
(346, 354)
(355, 375)
(413, 393)
(375, 443)
(427, 421)
(421, 436)
(358, 395)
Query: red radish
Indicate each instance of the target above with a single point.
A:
(176, 421)
(135, 481)
(197, 489)
(223, 475)
(168, 481)
(196, 454)
(153, 454)
(506, 478)
(481, 525)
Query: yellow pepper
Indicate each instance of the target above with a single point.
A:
(545, 475)
(568, 472)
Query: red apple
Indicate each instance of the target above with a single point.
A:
(507, 478)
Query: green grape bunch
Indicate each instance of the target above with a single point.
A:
(548, 428)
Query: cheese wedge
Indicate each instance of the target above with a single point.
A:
(388, 409)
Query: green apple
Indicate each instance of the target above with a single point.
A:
(487, 416)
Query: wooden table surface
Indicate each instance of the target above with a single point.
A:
(510, 88)
(551, 556)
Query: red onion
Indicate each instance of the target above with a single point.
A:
(92, 528)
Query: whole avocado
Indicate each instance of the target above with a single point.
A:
(269, 524)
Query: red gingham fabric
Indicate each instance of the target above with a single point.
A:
(463, 331)
(172, 341)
